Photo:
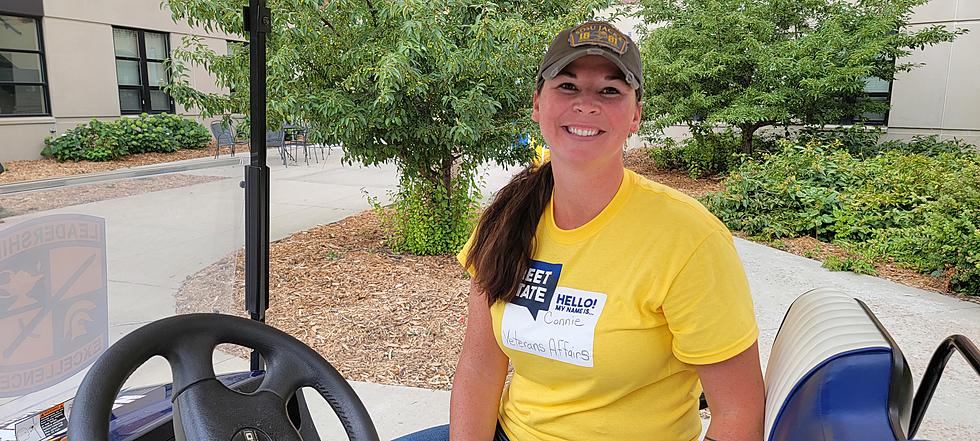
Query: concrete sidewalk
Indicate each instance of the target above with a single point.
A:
(155, 240)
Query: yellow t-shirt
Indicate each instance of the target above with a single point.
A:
(612, 315)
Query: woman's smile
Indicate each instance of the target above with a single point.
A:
(584, 132)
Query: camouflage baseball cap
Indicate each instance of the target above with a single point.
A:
(593, 38)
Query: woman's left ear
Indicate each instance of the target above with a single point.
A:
(534, 107)
(635, 124)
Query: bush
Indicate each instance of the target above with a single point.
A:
(921, 210)
(188, 134)
(93, 141)
(791, 193)
(706, 153)
(667, 155)
(148, 133)
(865, 142)
(104, 141)
(859, 140)
(67, 147)
(427, 221)
(930, 145)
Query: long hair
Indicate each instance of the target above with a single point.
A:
(504, 239)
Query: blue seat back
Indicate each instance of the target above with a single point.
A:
(835, 374)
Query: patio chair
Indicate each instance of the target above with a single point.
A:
(224, 136)
(298, 140)
(277, 139)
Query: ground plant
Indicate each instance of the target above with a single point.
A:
(916, 203)
(865, 141)
(427, 225)
(859, 140)
(437, 87)
(706, 152)
(748, 64)
(107, 140)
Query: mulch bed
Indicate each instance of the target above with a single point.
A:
(388, 318)
(43, 200)
(376, 316)
(30, 170)
(639, 161)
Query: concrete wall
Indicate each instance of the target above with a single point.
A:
(80, 59)
(22, 138)
(82, 83)
(943, 96)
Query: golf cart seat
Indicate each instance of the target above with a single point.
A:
(835, 374)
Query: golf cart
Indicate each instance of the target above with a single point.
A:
(834, 373)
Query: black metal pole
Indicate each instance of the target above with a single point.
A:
(258, 21)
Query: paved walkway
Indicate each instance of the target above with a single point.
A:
(157, 239)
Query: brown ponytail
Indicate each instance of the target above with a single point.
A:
(505, 235)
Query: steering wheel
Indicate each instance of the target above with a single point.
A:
(204, 409)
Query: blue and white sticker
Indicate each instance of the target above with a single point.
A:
(551, 321)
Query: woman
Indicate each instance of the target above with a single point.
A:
(614, 298)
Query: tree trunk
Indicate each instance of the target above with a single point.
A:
(447, 178)
(747, 132)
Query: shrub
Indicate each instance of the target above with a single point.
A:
(67, 147)
(859, 140)
(854, 265)
(930, 145)
(705, 153)
(93, 141)
(919, 210)
(188, 134)
(104, 141)
(427, 221)
(865, 142)
(787, 194)
(148, 133)
(667, 155)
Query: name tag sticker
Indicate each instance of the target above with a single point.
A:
(565, 331)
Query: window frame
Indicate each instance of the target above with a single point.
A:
(856, 119)
(43, 84)
(143, 61)
(888, 100)
(229, 51)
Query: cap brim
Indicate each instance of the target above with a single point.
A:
(552, 71)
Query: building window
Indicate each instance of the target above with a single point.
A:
(875, 89)
(140, 70)
(23, 80)
(233, 47)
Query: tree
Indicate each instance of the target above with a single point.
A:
(437, 86)
(755, 63)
